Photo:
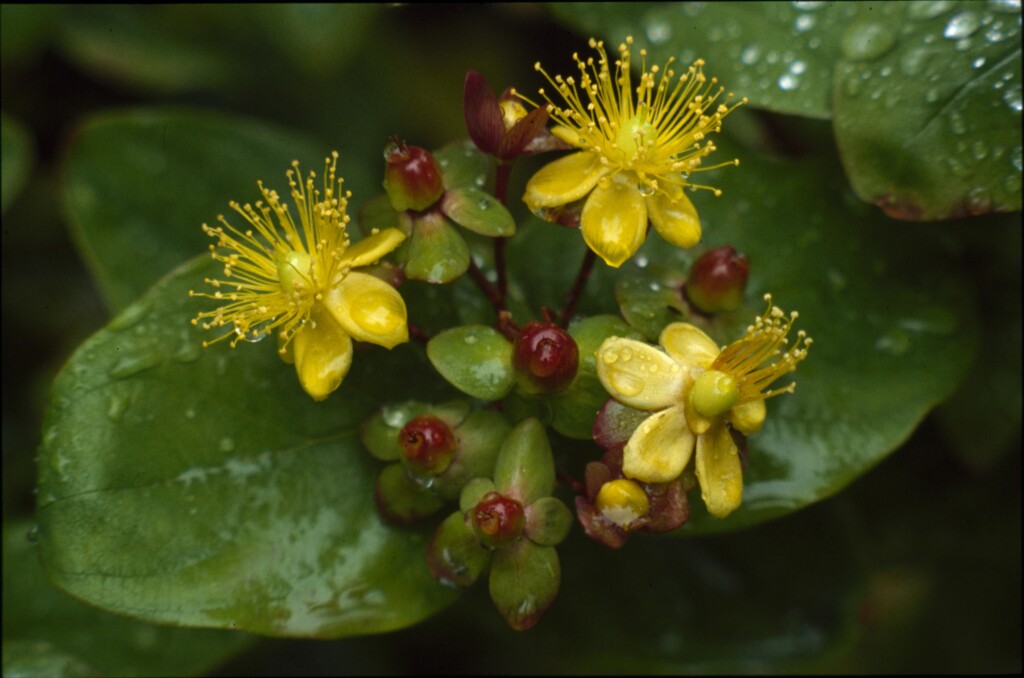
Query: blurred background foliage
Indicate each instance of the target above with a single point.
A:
(916, 567)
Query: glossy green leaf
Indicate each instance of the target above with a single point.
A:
(139, 184)
(525, 469)
(524, 582)
(462, 164)
(548, 521)
(48, 633)
(475, 359)
(478, 211)
(455, 555)
(401, 500)
(650, 299)
(16, 159)
(435, 252)
(948, 86)
(779, 55)
(202, 487)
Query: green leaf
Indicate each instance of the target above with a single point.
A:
(462, 164)
(475, 359)
(140, 184)
(401, 500)
(949, 92)
(778, 55)
(524, 582)
(436, 252)
(48, 633)
(548, 521)
(525, 469)
(478, 211)
(651, 298)
(202, 487)
(16, 159)
(455, 554)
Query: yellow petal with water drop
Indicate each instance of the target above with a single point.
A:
(323, 354)
(369, 309)
(748, 417)
(563, 181)
(674, 217)
(718, 471)
(372, 248)
(660, 448)
(639, 375)
(688, 345)
(614, 220)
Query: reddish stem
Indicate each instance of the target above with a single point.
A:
(573, 298)
(490, 292)
(419, 334)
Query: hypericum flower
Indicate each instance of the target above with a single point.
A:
(635, 157)
(298, 280)
(697, 393)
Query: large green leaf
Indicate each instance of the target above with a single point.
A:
(53, 634)
(140, 184)
(928, 108)
(926, 96)
(204, 488)
(886, 304)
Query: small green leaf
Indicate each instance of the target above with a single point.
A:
(651, 298)
(478, 211)
(401, 500)
(525, 470)
(203, 487)
(436, 252)
(475, 359)
(548, 521)
(473, 492)
(462, 164)
(16, 159)
(479, 438)
(455, 554)
(573, 410)
(524, 582)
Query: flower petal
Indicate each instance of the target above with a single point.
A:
(689, 345)
(564, 180)
(323, 354)
(614, 220)
(639, 375)
(718, 471)
(369, 309)
(372, 248)
(674, 217)
(660, 448)
(748, 417)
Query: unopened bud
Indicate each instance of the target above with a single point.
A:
(497, 519)
(428, 445)
(545, 357)
(718, 280)
(412, 177)
(622, 502)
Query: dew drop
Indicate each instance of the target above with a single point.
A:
(895, 343)
(808, 5)
(609, 357)
(1012, 97)
(483, 204)
(798, 67)
(130, 317)
(626, 384)
(190, 413)
(227, 444)
(658, 32)
(130, 365)
(804, 22)
(469, 339)
(962, 25)
(956, 123)
(932, 95)
(928, 10)
(188, 352)
(1016, 160)
(865, 42)
(978, 63)
(788, 82)
(979, 150)
(33, 535)
(254, 334)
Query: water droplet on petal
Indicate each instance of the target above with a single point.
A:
(626, 384)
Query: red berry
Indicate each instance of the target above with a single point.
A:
(718, 280)
(545, 357)
(412, 177)
(497, 519)
(428, 445)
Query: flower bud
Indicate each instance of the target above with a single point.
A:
(545, 358)
(498, 519)
(428, 445)
(412, 177)
(622, 501)
(718, 280)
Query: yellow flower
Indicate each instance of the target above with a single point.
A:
(635, 157)
(694, 390)
(298, 280)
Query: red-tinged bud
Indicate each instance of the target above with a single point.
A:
(428, 445)
(412, 177)
(545, 357)
(484, 117)
(497, 519)
(718, 280)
